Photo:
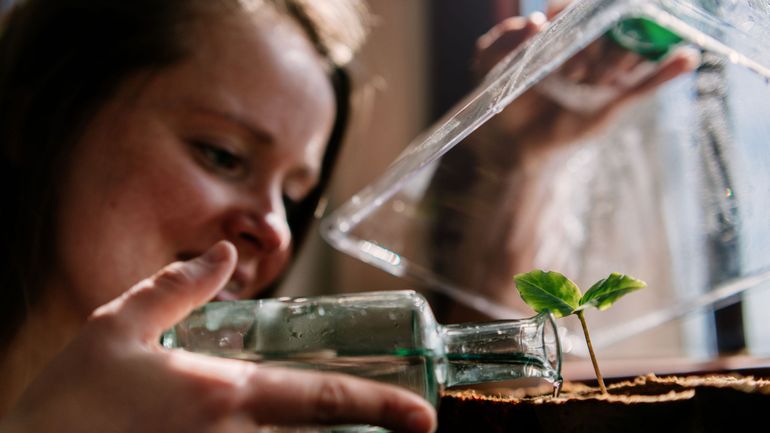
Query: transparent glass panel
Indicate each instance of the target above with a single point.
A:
(563, 159)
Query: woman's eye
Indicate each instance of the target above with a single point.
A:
(220, 159)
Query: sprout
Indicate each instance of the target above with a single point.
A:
(552, 291)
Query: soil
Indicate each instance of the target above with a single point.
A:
(713, 403)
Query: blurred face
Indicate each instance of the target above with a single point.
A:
(207, 149)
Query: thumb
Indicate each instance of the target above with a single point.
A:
(157, 303)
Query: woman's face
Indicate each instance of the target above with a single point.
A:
(205, 150)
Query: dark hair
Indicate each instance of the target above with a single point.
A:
(60, 61)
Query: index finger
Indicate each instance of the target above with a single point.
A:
(157, 303)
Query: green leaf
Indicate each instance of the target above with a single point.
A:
(549, 291)
(605, 292)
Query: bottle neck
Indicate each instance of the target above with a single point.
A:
(502, 350)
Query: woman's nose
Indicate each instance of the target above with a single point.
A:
(258, 233)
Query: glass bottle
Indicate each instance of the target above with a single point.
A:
(387, 336)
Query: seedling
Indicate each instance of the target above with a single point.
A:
(552, 291)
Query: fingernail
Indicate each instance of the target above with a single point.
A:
(217, 253)
(538, 18)
(419, 422)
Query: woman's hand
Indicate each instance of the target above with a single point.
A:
(115, 377)
(577, 99)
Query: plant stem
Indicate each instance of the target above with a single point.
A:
(591, 352)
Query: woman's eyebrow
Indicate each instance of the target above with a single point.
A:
(257, 133)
